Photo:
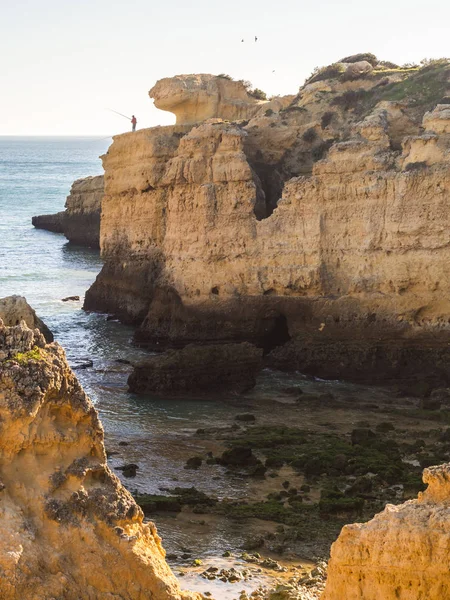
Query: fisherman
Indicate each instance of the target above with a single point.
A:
(133, 123)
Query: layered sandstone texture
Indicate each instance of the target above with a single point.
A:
(69, 530)
(401, 554)
(318, 229)
(80, 222)
(196, 98)
(199, 369)
(14, 309)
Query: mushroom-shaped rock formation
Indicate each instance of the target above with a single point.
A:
(196, 98)
(401, 554)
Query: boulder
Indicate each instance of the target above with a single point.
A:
(14, 309)
(195, 369)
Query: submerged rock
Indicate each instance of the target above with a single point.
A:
(198, 369)
(69, 529)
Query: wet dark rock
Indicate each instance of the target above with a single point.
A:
(361, 485)
(253, 543)
(385, 427)
(246, 418)
(363, 436)
(194, 462)
(445, 435)
(259, 470)
(238, 456)
(83, 365)
(123, 361)
(71, 299)
(430, 403)
(292, 390)
(171, 556)
(198, 369)
(442, 395)
(124, 444)
(128, 470)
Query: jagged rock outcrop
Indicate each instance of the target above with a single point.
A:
(401, 554)
(53, 223)
(318, 231)
(197, 368)
(80, 222)
(196, 98)
(14, 309)
(69, 529)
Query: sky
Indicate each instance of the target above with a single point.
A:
(64, 63)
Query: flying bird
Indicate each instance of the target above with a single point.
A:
(256, 39)
(242, 40)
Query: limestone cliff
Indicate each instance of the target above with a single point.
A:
(401, 554)
(317, 230)
(80, 222)
(69, 530)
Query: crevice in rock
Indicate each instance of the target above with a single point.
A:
(269, 184)
(276, 335)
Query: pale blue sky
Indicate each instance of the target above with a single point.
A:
(63, 62)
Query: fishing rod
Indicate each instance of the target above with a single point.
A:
(118, 113)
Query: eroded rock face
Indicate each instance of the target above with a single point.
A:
(317, 231)
(196, 98)
(83, 209)
(69, 528)
(54, 223)
(401, 554)
(14, 309)
(197, 368)
(80, 222)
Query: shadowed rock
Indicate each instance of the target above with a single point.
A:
(193, 369)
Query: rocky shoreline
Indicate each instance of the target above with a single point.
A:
(306, 234)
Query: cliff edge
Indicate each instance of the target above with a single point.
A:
(69, 528)
(317, 229)
(401, 554)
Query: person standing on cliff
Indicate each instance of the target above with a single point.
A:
(133, 123)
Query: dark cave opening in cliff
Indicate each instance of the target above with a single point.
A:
(277, 335)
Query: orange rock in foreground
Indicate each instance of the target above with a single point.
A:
(403, 553)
